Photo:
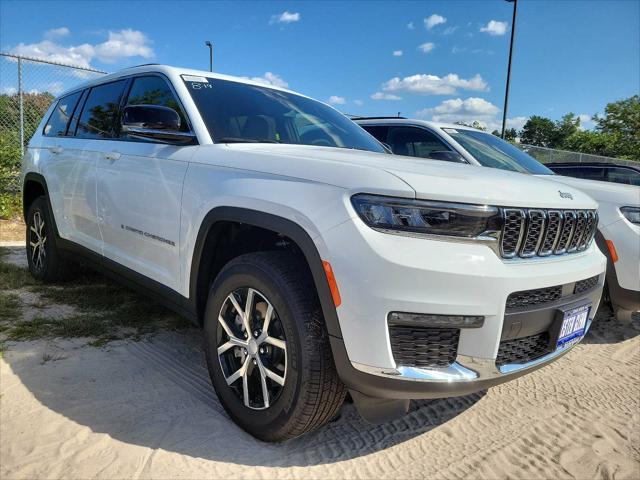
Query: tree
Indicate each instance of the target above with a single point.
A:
(510, 134)
(621, 121)
(538, 131)
(596, 143)
(564, 129)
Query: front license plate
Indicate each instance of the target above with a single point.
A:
(573, 325)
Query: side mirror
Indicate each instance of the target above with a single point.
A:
(154, 122)
(447, 156)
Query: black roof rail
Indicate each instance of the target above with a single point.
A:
(142, 65)
(356, 117)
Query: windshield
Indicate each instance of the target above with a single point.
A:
(494, 152)
(236, 112)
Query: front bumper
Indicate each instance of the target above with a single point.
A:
(378, 273)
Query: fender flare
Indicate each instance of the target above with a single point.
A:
(39, 179)
(276, 224)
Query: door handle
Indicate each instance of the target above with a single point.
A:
(112, 155)
(56, 150)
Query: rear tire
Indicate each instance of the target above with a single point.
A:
(46, 262)
(289, 362)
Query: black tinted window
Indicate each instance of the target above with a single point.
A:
(98, 117)
(413, 141)
(378, 131)
(57, 124)
(154, 90)
(589, 173)
(627, 176)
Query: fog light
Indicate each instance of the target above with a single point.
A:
(435, 321)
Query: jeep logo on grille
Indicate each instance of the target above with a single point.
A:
(565, 195)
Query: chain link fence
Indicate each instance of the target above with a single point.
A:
(553, 155)
(27, 88)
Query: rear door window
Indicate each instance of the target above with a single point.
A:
(414, 141)
(98, 118)
(57, 124)
(378, 131)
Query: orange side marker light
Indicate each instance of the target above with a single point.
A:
(612, 251)
(333, 286)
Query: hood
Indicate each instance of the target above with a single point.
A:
(368, 172)
(618, 193)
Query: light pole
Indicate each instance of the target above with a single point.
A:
(506, 92)
(210, 45)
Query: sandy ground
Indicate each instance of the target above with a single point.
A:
(147, 410)
(12, 230)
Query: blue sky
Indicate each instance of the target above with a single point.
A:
(449, 62)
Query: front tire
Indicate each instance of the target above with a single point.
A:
(268, 349)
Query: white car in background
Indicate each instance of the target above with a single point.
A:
(619, 213)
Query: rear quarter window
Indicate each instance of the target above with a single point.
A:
(58, 121)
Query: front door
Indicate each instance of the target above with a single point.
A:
(140, 193)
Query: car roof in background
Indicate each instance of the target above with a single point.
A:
(410, 121)
(592, 164)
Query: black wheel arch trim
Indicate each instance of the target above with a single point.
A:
(279, 225)
(619, 296)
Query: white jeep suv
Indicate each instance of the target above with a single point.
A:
(316, 262)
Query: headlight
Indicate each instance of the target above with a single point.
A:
(426, 217)
(632, 214)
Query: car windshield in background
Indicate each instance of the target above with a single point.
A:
(494, 152)
(236, 112)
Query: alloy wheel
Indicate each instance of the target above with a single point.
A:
(252, 348)
(37, 241)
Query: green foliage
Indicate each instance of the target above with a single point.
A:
(34, 107)
(621, 122)
(538, 131)
(617, 133)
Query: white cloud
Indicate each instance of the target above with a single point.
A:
(434, 20)
(271, 79)
(471, 110)
(424, 84)
(285, 17)
(586, 121)
(385, 96)
(397, 53)
(358, 102)
(123, 44)
(426, 47)
(450, 30)
(411, 26)
(56, 33)
(456, 49)
(336, 100)
(80, 55)
(8, 90)
(456, 109)
(119, 45)
(495, 28)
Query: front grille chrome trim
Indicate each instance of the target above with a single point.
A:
(535, 232)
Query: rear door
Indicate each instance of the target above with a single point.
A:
(140, 191)
(70, 179)
(95, 131)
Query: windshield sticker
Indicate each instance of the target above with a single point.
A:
(194, 78)
(450, 130)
